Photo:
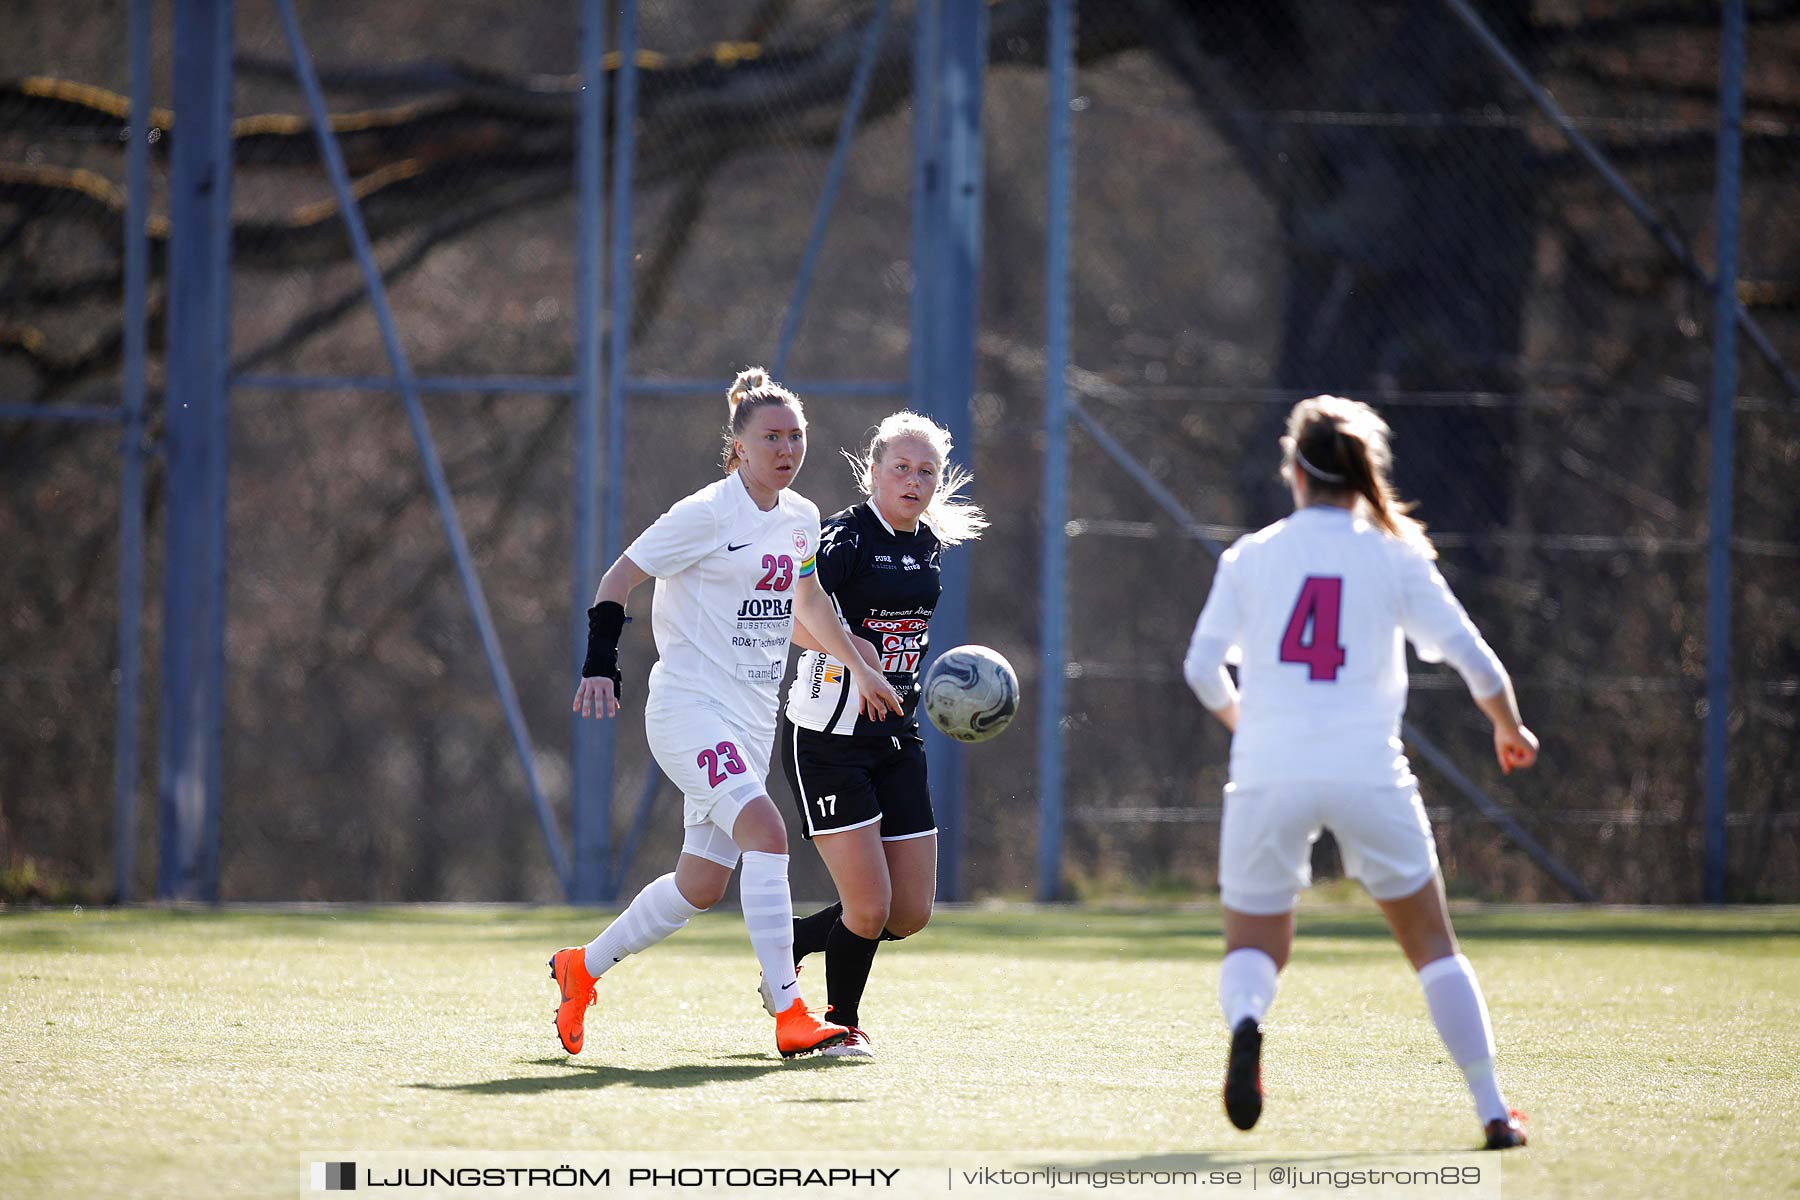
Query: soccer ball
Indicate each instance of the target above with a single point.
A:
(971, 693)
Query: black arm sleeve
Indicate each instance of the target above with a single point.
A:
(606, 621)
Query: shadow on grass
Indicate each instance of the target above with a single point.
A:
(1696, 934)
(1150, 935)
(1068, 932)
(39, 938)
(562, 1075)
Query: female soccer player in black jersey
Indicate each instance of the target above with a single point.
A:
(860, 783)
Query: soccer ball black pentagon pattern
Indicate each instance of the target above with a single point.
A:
(971, 693)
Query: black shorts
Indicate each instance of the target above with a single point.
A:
(842, 781)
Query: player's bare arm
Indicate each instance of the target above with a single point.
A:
(813, 609)
(1514, 744)
(1227, 714)
(804, 639)
(598, 695)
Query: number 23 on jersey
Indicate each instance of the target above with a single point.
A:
(1317, 612)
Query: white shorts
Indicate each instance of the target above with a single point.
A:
(717, 766)
(1265, 841)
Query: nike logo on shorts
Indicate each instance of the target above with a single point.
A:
(786, 986)
(739, 546)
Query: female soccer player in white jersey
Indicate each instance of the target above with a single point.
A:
(860, 780)
(734, 565)
(1320, 607)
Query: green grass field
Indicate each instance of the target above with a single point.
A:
(155, 1053)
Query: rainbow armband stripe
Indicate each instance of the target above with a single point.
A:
(806, 568)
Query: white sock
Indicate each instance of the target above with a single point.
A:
(656, 912)
(1246, 985)
(1461, 1017)
(769, 916)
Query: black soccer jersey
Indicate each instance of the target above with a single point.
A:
(886, 585)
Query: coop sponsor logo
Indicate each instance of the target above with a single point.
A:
(877, 625)
(901, 642)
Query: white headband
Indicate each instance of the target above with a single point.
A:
(1323, 476)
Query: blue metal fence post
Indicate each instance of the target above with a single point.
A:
(618, 363)
(1724, 400)
(947, 209)
(131, 474)
(189, 762)
(591, 821)
(219, 438)
(1052, 572)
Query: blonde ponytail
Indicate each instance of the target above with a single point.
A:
(752, 389)
(952, 518)
(1342, 446)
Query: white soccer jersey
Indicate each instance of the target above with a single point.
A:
(724, 606)
(1320, 607)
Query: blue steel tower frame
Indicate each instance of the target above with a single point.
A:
(949, 58)
(201, 381)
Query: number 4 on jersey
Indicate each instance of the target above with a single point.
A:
(1321, 601)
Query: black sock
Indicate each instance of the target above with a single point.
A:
(848, 957)
(810, 933)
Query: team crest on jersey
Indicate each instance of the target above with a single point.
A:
(800, 540)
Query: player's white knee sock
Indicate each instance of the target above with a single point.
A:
(656, 912)
(1461, 1017)
(1246, 985)
(769, 916)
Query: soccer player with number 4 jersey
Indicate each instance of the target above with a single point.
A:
(1317, 610)
(734, 565)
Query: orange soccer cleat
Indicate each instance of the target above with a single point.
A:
(798, 1031)
(569, 968)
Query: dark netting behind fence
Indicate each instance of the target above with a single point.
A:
(1364, 202)
(1273, 198)
(62, 200)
